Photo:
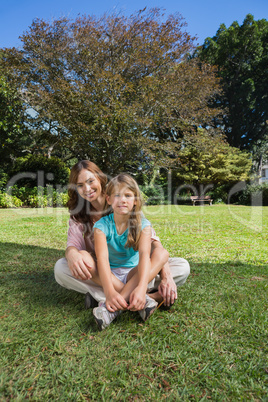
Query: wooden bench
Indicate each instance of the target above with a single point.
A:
(201, 199)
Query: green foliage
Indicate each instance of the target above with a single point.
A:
(60, 199)
(13, 133)
(9, 201)
(52, 170)
(144, 197)
(241, 55)
(37, 201)
(39, 197)
(254, 190)
(248, 194)
(154, 194)
(3, 179)
(219, 194)
(207, 159)
(260, 153)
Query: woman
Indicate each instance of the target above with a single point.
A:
(78, 270)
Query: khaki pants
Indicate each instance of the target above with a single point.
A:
(179, 269)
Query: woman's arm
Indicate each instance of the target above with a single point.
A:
(114, 301)
(79, 260)
(167, 287)
(79, 263)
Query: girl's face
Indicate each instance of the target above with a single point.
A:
(88, 186)
(122, 200)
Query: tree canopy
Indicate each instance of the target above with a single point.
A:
(209, 159)
(118, 90)
(241, 56)
(13, 132)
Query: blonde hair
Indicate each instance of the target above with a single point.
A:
(134, 223)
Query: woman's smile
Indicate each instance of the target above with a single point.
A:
(88, 186)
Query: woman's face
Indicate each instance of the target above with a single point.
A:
(88, 186)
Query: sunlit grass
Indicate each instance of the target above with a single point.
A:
(211, 345)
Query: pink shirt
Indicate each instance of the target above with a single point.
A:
(76, 237)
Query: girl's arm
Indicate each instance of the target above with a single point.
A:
(114, 301)
(137, 297)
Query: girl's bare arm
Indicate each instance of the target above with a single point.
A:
(114, 301)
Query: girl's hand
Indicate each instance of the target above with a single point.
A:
(137, 299)
(114, 302)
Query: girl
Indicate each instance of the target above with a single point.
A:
(123, 246)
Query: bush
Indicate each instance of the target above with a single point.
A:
(3, 179)
(60, 199)
(39, 197)
(219, 194)
(254, 190)
(9, 201)
(183, 198)
(144, 197)
(243, 197)
(37, 201)
(154, 195)
(53, 170)
(21, 192)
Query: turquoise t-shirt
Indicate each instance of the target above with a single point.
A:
(119, 256)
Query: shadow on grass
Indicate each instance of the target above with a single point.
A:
(27, 276)
(28, 271)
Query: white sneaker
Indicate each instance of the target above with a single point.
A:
(104, 317)
(149, 308)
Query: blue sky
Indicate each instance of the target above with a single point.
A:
(203, 17)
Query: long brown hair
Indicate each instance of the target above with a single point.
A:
(80, 209)
(134, 223)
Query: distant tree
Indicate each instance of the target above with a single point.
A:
(241, 56)
(209, 159)
(119, 90)
(260, 154)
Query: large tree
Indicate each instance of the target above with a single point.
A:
(117, 89)
(241, 56)
(14, 137)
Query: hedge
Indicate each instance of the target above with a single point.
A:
(37, 197)
(52, 171)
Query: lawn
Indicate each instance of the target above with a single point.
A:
(211, 346)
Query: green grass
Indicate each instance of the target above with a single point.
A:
(211, 346)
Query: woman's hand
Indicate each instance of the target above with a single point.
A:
(137, 299)
(168, 290)
(114, 302)
(80, 263)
